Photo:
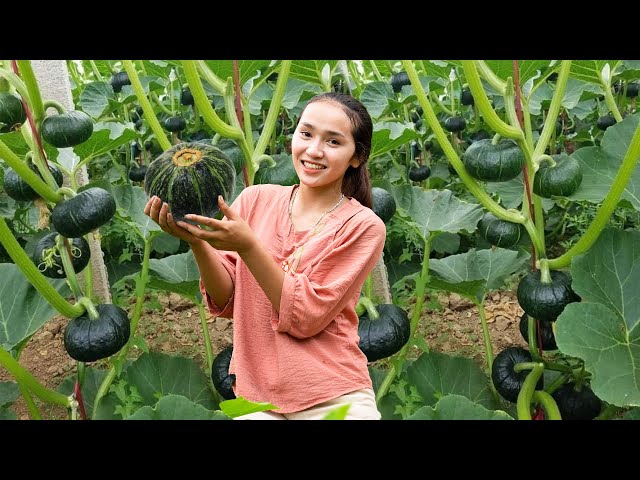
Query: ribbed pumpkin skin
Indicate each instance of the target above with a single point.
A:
(193, 188)
(56, 270)
(545, 301)
(385, 336)
(507, 381)
(559, 181)
(499, 232)
(11, 112)
(67, 129)
(220, 374)
(86, 211)
(577, 405)
(493, 163)
(18, 189)
(88, 340)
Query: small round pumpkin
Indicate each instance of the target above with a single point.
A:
(137, 174)
(605, 122)
(12, 113)
(175, 124)
(189, 177)
(500, 233)
(493, 163)
(561, 180)
(455, 124)
(87, 211)
(507, 381)
(51, 264)
(418, 174)
(576, 404)
(385, 336)
(67, 129)
(546, 331)
(399, 80)
(384, 205)
(18, 189)
(546, 301)
(118, 80)
(88, 340)
(220, 376)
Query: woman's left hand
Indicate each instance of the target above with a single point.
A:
(232, 234)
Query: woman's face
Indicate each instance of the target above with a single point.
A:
(322, 146)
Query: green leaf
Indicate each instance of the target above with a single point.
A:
(176, 407)
(436, 374)
(294, 91)
(446, 243)
(105, 138)
(575, 89)
(511, 193)
(311, 70)
(493, 266)
(376, 96)
(16, 143)
(22, 309)
(339, 413)
(131, 200)
(156, 375)
(247, 68)
(457, 407)
(604, 328)
(633, 414)
(165, 243)
(9, 392)
(241, 406)
(526, 68)
(95, 97)
(390, 135)
(600, 164)
(437, 210)
(176, 273)
(589, 70)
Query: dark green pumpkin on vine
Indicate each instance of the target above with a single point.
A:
(500, 233)
(220, 376)
(47, 258)
(546, 301)
(507, 381)
(87, 211)
(67, 129)
(18, 189)
(560, 180)
(493, 163)
(384, 205)
(12, 113)
(386, 335)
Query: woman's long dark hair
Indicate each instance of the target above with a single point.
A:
(356, 182)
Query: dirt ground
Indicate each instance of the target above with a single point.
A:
(175, 329)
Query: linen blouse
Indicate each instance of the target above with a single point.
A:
(308, 352)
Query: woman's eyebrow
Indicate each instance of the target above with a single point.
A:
(330, 132)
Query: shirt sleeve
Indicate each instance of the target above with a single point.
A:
(229, 259)
(311, 301)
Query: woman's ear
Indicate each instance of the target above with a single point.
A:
(355, 162)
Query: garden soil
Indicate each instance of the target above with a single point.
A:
(175, 329)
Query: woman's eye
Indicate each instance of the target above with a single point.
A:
(305, 134)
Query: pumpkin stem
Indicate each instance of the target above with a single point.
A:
(91, 308)
(186, 157)
(365, 303)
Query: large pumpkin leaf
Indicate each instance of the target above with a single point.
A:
(511, 193)
(589, 70)
(436, 374)
(156, 375)
(313, 71)
(437, 210)
(604, 329)
(105, 138)
(131, 200)
(600, 164)
(457, 407)
(16, 143)
(248, 68)
(176, 273)
(9, 392)
(376, 96)
(492, 266)
(176, 407)
(526, 68)
(95, 97)
(22, 309)
(390, 135)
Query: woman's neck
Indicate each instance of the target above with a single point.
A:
(317, 199)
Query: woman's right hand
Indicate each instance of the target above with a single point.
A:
(158, 211)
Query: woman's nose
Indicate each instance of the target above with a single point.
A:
(315, 148)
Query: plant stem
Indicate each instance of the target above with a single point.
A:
(147, 109)
(65, 255)
(205, 334)
(441, 136)
(39, 281)
(549, 405)
(629, 164)
(525, 396)
(552, 114)
(487, 337)
(31, 405)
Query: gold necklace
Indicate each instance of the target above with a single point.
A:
(295, 194)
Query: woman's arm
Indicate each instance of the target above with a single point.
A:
(214, 275)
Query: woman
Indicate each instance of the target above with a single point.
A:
(287, 263)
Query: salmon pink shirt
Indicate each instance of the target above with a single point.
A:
(308, 352)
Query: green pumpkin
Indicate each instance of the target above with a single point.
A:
(577, 404)
(88, 340)
(546, 301)
(384, 205)
(385, 336)
(189, 177)
(282, 173)
(500, 233)
(18, 189)
(87, 211)
(493, 163)
(12, 113)
(51, 264)
(67, 129)
(559, 181)
(507, 381)
(220, 376)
